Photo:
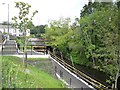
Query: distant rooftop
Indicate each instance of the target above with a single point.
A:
(5, 26)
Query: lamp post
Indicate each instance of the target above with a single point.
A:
(8, 19)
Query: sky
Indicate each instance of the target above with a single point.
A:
(47, 9)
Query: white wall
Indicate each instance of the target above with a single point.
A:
(13, 31)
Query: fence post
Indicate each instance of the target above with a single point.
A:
(70, 81)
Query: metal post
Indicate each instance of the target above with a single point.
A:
(8, 21)
(70, 81)
(31, 49)
(2, 48)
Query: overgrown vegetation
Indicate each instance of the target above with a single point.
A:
(91, 40)
(15, 75)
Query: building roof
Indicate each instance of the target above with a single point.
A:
(5, 26)
(33, 39)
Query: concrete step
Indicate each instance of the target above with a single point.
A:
(10, 42)
(9, 53)
(9, 48)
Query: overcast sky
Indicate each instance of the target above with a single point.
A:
(47, 9)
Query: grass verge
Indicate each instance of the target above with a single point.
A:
(16, 76)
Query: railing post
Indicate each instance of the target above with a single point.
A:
(31, 49)
(70, 81)
(2, 48)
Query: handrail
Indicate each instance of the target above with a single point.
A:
(87, 78)
(2, 44)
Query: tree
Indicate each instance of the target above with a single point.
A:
(87, 9)
(58, 34)
(100, 36)
(118, 62)
(23, 21)
(95, 42)
(38, 30)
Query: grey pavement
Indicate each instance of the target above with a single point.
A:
(10, 48)
(32, 56)
(29, 52)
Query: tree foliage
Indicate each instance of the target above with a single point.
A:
(38, 30)
(91, 40)
(23, 21)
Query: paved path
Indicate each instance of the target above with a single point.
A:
(10, 48)
(32, 56)
(29, 52)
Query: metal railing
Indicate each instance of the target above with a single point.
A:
(96, 84)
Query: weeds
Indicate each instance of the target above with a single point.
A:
(15, 75)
